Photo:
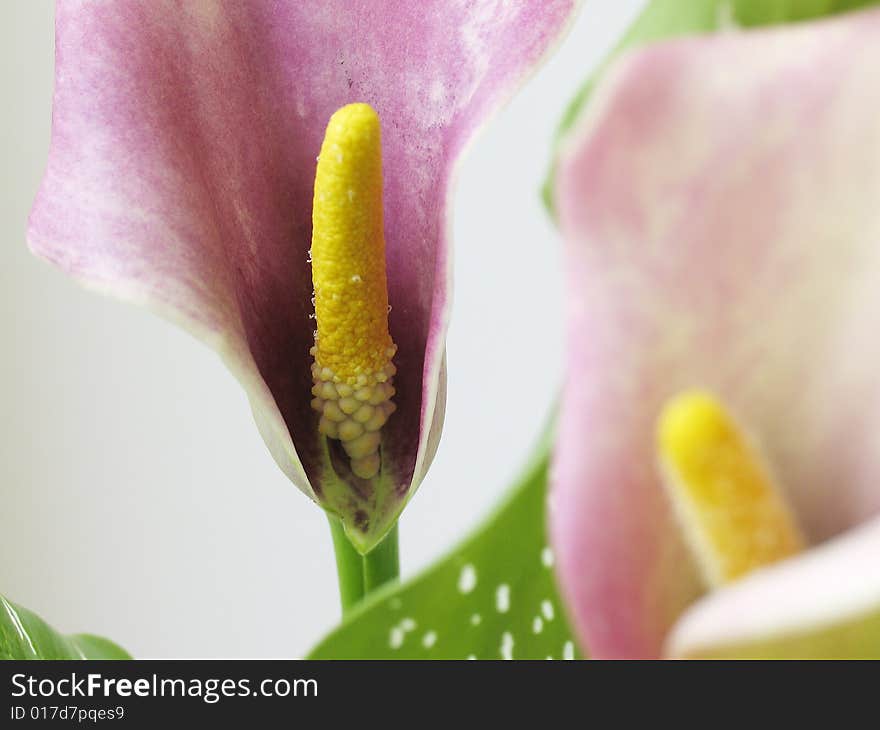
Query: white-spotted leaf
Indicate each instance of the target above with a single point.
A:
(493, 597)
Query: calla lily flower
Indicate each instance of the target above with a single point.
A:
(717, 478)
(181, 176)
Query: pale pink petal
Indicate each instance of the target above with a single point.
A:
(719, 205)
(824, 604)
(183, 156)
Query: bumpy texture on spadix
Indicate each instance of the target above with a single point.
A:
(352, 371)
(181, 175)
(732, 514)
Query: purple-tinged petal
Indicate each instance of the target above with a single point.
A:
(183, 157)
(719, 205)
(823, 604)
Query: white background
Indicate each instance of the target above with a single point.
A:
(136, 497)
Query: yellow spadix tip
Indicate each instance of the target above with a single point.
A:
(734, 517)
(348, 246)
(353, 349)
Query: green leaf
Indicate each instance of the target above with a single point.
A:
(664, 19)
(492, 597)
(24, 635)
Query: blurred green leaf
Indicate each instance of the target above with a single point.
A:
(24, 635)
(492, 597)
(664, 19)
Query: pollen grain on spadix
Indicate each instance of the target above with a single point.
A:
(733, 514)
(353, 351)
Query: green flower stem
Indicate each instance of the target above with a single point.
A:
(382, 563)
(360, 575)
(349, 566)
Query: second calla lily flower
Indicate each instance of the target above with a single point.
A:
(181, 175)
(717, 477)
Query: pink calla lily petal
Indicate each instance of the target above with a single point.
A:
(719, 205)
(822, 604)
(182, 164)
